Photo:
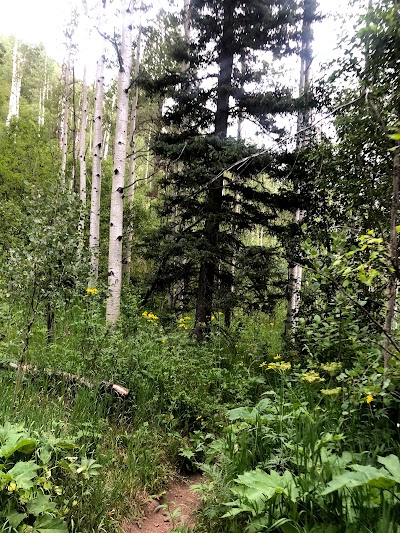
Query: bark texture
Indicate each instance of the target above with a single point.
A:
(295, 274)
(393, 257)
(65, 116)
(13, 106)
(209, 262)
(94, 231)
(130, 190)
(120, 149)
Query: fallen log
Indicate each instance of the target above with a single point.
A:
(118, 390)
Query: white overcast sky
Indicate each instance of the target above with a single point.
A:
(42, 21)
(37, 21)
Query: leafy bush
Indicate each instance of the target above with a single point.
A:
(31, 500)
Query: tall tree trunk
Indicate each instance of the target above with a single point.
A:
(82, 152)
(66, 113)
(209, 262)
(130, 190)
(43, 96)
(94, 230)
(393, 255)
(74, 176)
(16, 80)
(295, 274)
(117, 190)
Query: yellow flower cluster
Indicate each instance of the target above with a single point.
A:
(331, 392)
(332, 368)
(279, 366)
(92, 290)
(312, 377)
(182, 322)
(369, 398)
(151, 317)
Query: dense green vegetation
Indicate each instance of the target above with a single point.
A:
(294, 430)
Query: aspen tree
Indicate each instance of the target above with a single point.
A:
(120, 149)
(97, 128)
(82, 146)
(130, 190)
(16, 80)
(65, 116)
(295, 274)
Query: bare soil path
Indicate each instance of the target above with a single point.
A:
(180, 504)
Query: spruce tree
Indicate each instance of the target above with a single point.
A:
(224, 35)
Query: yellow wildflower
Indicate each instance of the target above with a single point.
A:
(144, 313)
(331, 392)
(279, 366)
(91, 290)
(312, 377)
(332, 367)
(277, 356)
(182, 325)
(263, 364)
(369, 398)
(163, 340)
(271, 324)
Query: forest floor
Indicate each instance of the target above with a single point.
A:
(174, 509)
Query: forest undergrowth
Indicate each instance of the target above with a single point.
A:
(286, 441)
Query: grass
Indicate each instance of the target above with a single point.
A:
(178, 388)
(197, 403)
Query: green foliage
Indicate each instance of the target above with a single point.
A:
(30, 499)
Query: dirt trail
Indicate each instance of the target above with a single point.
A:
(181, 503)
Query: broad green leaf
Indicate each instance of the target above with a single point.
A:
(40, 504)
(17, 442)
(262, 485)
(23, 472)
(380, 479)
(49, 524)
(346, 480)
(392, 464)
(258, 524)
(362, 475)
(15, 518)
(237, 510)
(395, 136)
(241, 413)
(65, 444)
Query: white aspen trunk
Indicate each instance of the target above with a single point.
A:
(130, 190)
(40, 108)
(117, 190)
(82, 161)
(106, 142)
(43, 94)
(73, 184)
(82, 143)
(16, 80)
(295, 274)
(66, 114)
(97, 125)
(91, 136)
(146, 175)
(393, 257)
(61, 104)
